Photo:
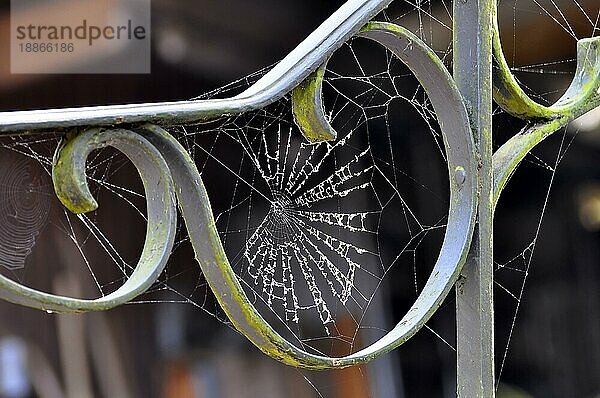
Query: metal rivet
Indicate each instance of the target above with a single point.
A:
(460, 175)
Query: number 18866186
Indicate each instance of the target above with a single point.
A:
(46, 47)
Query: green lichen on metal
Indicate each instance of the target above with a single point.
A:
(307, 98)
(392, 28)
(307, 108)
(506, 90)
(70, 182)
(69, 179)
(508, 157)
(167, 169)
(210, 255)
(511, 97)
(472, 61)
(582, 96)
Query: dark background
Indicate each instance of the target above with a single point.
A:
(201, 45)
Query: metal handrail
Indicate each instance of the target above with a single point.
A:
(477, 177)
(287, 74)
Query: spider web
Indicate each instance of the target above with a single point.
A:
(545, 80)
(314, 232)
(311, 230)
(303, 222)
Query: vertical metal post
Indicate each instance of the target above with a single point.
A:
(474, 291)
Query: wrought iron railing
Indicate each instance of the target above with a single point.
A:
(463, 106)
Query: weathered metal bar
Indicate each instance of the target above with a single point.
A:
(70, 184)
(582, 96)
(164, 164)
(474, 291)
(196, 211)
(288, 73)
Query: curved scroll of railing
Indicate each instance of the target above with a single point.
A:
(72, 189)
(582, 96)
(166, 168)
